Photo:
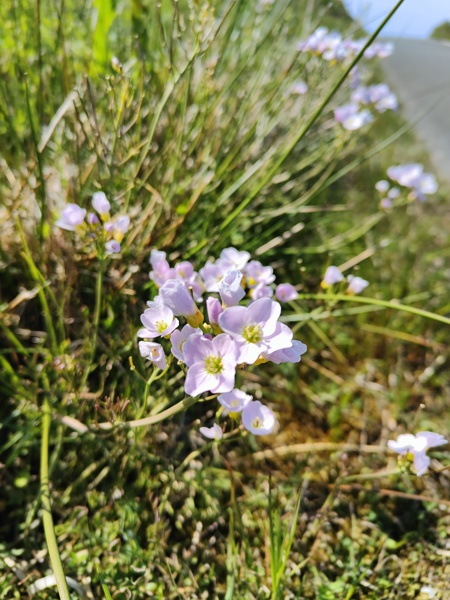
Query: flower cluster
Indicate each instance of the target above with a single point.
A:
(414, 448)
(98, 225)
(409, 176)
(331, 47)
(233, 335)
(333, 275)
(354, 115)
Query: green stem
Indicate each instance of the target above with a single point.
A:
(373, 301)
(47, 518)
(98, 306)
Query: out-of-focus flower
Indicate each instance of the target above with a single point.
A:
(234, 259)
(256, 273)
(356, 284)
(92, 219)
(299, 88)
(261, 291)
(286, 292)
(332, 276)
(116, 64)
(292, 354)
(212, 433)
(157, 321)
(154, 353)
(382, 186)
(112, 247)
(71, 217)
(234, 401)
(258, 418)
(101, 204)
(416, 446)
(412, 176)
(230, 289)
(351, 117)
(120, 227)
(214, 308)
(179, 300)
(212, 364)
(386, 203)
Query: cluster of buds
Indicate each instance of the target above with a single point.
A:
(106, 231)
(333, 276)
(331, 47)
(239, 326)
(411, 177)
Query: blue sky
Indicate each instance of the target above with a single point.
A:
(415, 18)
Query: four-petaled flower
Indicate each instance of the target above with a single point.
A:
(212, 364)
(158, 321)
(254, 329)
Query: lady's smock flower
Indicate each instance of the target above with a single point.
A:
(158, 321)
(212, 433)
(286, 292)
(212, 364)
(416, 446)
(72, 216)
(254, 328)
(154, 353)
(234, 401)
(258, 418)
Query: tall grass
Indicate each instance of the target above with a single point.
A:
(196, 133)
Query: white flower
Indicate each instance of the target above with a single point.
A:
(101, 203)
(332, 276)
(234, 401)
(257, 418)
(416, 446)
(212, 433)
(356, 284)
(154, 353)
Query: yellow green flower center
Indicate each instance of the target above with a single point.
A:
(252, 333)
(213, 365)
(160, 326)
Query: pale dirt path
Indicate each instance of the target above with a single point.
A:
(419, 72)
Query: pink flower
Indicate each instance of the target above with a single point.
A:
(72, 216)
(112, 247)
(256, 273)
(214, 309)
(255, 328)
(178, 339)
(332, 276)
(158, 321)
(286, 292)
(177, 298)
(258, 419)
(212, 364)
(261, 291)
(234, 259)
(101, 203)
(154, 353)
(291, 354)
(234, 401)
(230, 289)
